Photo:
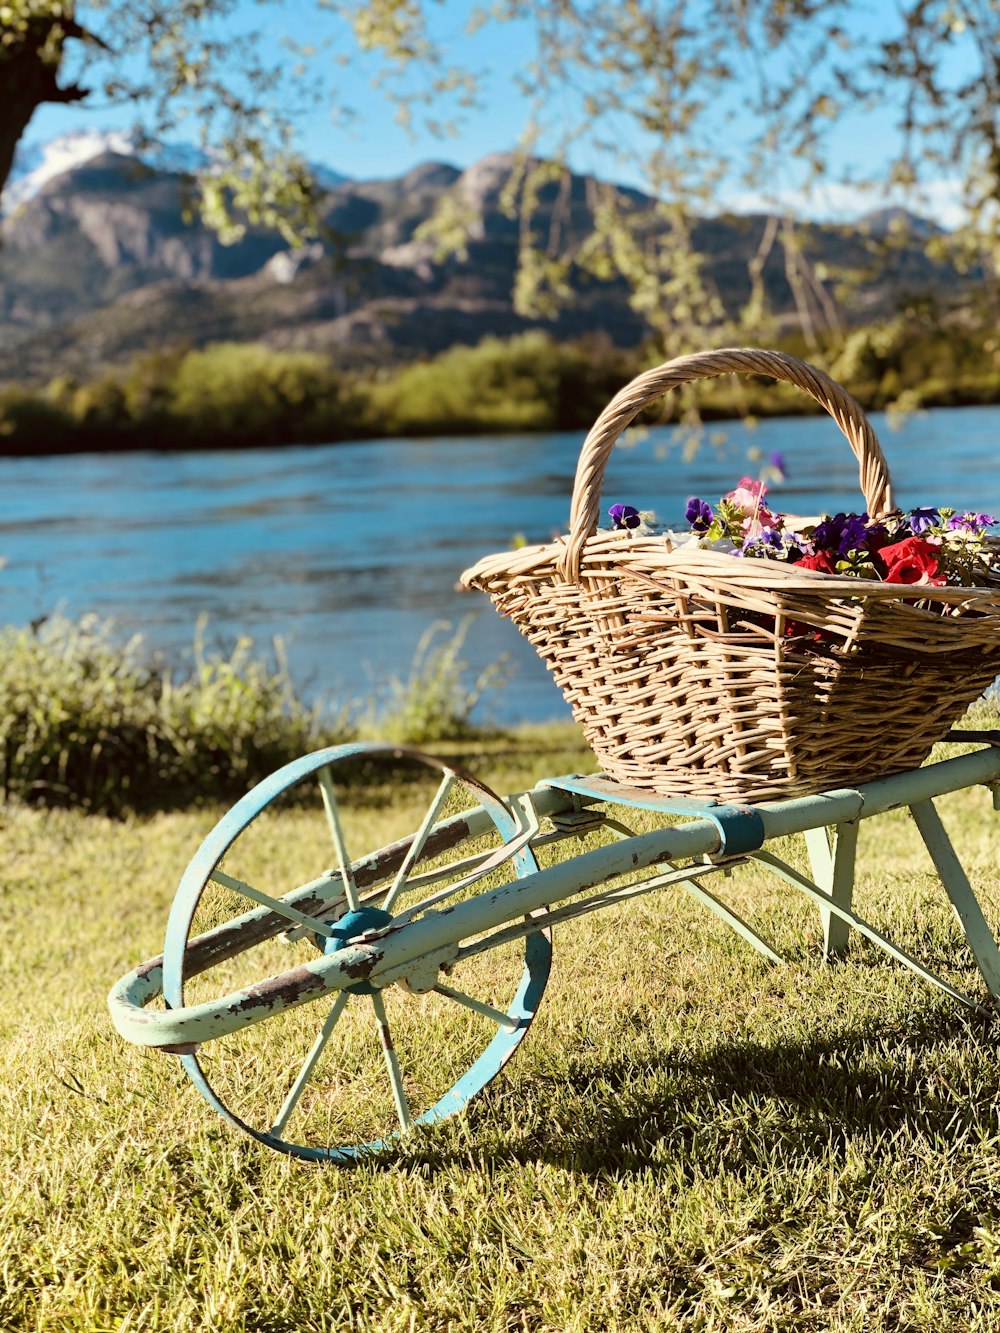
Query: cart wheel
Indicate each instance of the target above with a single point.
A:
(338, 1078)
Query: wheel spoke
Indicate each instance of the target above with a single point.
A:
(391, 1061)
(305, 1073)
(337, 833)
(477, 1006)
(275, 904)
(417, 846)
(482, 865)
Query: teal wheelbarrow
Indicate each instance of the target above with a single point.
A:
(327, 1009)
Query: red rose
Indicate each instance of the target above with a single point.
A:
(822, 561)
(911, 561)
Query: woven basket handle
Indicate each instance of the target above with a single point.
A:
(626, 405)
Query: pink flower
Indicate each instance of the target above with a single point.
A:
(748, 495)
(762, 518)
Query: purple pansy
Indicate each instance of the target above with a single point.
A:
(624, 516)
(828, 533)
(776, 462)
(767, 541)
(698, 514)
(922, 519)
(853, 534)
(849, 532)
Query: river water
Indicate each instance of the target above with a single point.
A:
(351, 552)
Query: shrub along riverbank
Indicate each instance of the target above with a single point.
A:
(238, 395)
(91, 723)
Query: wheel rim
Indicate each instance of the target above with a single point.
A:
(433, 1049)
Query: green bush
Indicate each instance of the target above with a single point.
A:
(435, 700)
(524, 383)
(918, 360)
(119, 405)
(85, 721)
(246, 393)
(235, 394)
(31, 425)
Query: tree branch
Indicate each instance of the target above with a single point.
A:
(30, 65)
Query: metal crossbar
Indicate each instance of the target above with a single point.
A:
(389, 951)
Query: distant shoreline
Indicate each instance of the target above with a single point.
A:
(248, 395)
(139, 441)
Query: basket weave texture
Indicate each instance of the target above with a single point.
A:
(694, 673)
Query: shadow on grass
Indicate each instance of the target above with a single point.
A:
(742, 1106)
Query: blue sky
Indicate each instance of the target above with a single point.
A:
(374, 145)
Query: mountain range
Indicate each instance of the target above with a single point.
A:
(106, 260)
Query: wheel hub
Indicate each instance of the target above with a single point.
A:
(348, 928)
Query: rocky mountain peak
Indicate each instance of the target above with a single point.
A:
(483, 182)
(104, 262)
(430, 176)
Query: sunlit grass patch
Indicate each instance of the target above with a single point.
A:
(688, 1138)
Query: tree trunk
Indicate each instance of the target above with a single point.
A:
(28, 73)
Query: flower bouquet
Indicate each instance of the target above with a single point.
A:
(756, 655)
(927, 547)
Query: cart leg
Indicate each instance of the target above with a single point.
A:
(732, 919)
(959, 890)
(832, 855)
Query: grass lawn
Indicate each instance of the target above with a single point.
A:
(689, 1138)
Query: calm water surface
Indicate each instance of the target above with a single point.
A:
(350, 552)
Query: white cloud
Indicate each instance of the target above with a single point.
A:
(940, 201)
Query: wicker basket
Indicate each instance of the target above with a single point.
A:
(689, 670)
